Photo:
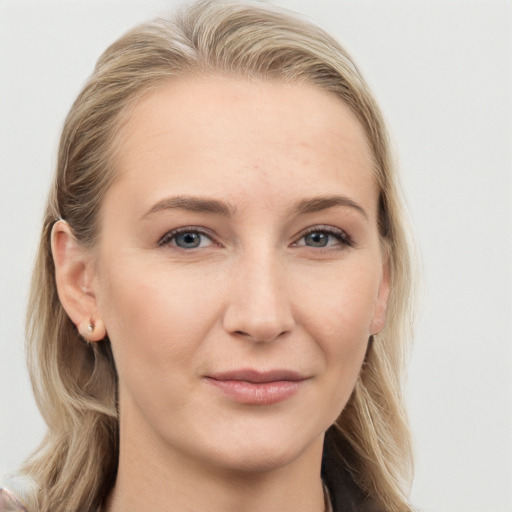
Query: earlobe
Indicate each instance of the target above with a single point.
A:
(381, 304)
(92, 330)
(74, 276)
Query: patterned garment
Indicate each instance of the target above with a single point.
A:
(9, 502)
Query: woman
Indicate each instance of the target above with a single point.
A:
(220, 300)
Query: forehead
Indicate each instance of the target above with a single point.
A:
(230, 134)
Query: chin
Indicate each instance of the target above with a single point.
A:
(262, 455)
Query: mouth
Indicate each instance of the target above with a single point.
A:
(252, 387)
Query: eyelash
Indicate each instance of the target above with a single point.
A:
(169, 237)
(341, 236)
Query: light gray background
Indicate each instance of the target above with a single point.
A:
(442, 73)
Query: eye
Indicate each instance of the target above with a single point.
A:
(317, 239)
(186, 238)
(323, 237)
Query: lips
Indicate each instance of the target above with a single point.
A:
(252, 387)
(255, 376)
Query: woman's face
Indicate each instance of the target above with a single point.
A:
(239, 272)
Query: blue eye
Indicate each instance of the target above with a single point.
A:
(186, 239)
(317, 239)
(320, 238)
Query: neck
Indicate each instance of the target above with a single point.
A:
(163, 479)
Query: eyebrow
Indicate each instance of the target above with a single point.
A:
(201, 205)
(317, 204)
(192, 204)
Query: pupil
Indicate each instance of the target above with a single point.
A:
(317, 239)
(188, 240)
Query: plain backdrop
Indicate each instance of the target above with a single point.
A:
(442, 74)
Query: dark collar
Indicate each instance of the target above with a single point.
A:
(345, 495)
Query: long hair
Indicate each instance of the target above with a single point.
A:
(75, 384)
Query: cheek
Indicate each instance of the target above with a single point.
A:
(339, 319)
(345, 336)
(152, 316)
(343, 305)
(344, 347)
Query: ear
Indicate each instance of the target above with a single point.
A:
(74, 276)
(379, 315)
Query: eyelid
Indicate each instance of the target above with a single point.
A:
(340, 234)
(167, 238)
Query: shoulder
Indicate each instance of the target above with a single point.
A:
(9, 502)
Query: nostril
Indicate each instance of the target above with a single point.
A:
(261, 316)
(260, 336)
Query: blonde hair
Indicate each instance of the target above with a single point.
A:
(75, 384)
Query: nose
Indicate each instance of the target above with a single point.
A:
(258, 305)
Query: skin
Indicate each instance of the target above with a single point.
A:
(258, 291)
